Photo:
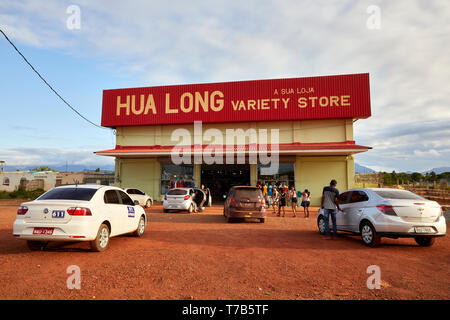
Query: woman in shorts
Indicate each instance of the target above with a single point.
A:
(306, 200)
(282, 202)
(293, 197)
(275, 198)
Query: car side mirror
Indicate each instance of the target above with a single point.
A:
(136, 203)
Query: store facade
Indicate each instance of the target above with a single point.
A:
(298, 131)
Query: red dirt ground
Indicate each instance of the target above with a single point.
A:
(200, 256)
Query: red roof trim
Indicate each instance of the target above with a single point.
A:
(281, 147)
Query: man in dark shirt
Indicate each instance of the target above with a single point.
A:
(330, 197)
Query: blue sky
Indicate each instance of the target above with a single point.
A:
(142, 43)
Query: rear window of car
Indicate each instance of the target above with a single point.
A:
(177, 192)
(247, 193)
(82, 194)
(393, 194)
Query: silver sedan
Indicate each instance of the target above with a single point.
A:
(374, 213)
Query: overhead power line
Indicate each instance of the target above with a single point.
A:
(48, 85)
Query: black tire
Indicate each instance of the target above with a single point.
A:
(139, 232)
(262, 220)
(321, 224)
(165, 210)
(425, 241)
(369, 235)
(101, 243)
(36, 245)
(230, 219)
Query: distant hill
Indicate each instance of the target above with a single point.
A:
(362, 169)
(63, 168)
(438, 170)
(76, 168)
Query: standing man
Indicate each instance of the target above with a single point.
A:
(330, 203)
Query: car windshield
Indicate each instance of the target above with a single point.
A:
(177, 192)
(398, 194)
(82, 194)
(247, 193)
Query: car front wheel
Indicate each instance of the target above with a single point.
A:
(101, 242)
(369, 235)
(425, 241)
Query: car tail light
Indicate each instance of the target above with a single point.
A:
(232, 202)
(263, 202)
(22, 210)
(389, 210)
(165, 197)
(187, 197)
(78, 211)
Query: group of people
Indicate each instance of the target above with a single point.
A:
(279, 196)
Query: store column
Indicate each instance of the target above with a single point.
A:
(253, 174)
(198, 175)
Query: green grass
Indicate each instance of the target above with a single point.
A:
(21, 194)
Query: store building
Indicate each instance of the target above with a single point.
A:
(225, 133)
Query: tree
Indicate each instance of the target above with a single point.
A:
(416, 177)
(97, 170)
(433, 176)
(43, 169)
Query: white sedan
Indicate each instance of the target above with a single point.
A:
(392, 213)
(188, 199)
(79, 213)
(137, 195)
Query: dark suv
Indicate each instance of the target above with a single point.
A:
(244, 202)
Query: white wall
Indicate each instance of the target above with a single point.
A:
(14, 177)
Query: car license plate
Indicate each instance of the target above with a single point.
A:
(58, 213)
(43, 231)
(423, 230)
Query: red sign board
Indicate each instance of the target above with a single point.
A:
(327, 97)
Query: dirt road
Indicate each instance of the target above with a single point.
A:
(199, 256)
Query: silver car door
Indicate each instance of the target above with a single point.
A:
(341, 216)
(357, 202)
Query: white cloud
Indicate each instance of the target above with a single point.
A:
(431, 152)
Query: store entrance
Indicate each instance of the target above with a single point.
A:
(220, 177)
